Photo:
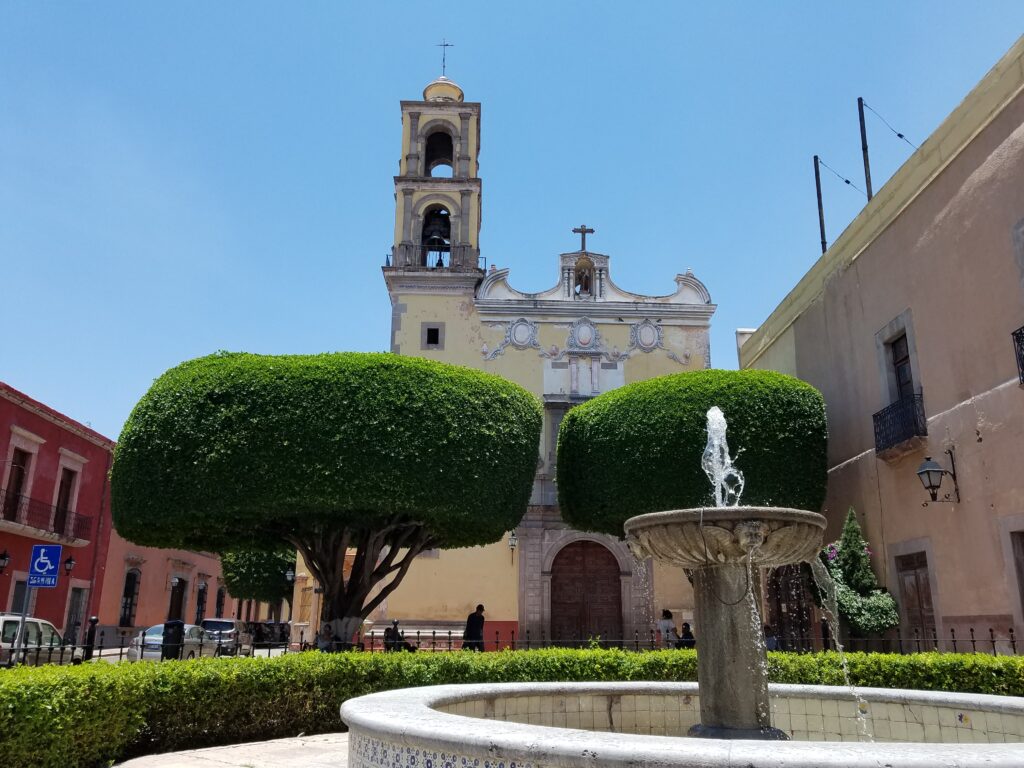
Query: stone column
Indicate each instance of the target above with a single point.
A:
(412, 160)
(731, 652)
(407, 215)
(463, 160)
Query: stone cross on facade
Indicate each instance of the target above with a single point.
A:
(583, 230)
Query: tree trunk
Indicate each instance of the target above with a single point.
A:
(381, 558)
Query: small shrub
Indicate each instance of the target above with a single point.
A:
(93, 714)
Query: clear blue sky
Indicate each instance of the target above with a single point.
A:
(178, 178)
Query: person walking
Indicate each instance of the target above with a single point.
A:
(473, 636)
(667, 629)
(771, 640)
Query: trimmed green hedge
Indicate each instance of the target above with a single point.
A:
(95, 713)
(638, 448)
(236, 447)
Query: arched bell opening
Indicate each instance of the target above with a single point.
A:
(436, 238)
(439, 160)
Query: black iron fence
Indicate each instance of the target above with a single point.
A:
(1018, 348)
(123, 648)
(899, 422)
(18, 508)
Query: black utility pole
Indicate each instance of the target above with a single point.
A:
(864, 146)
(821, 209)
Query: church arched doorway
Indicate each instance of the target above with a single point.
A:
(586, 595)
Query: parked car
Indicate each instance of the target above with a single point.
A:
(42, 645)
(232, 636)
(149, 645)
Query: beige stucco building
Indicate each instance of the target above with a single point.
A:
(581, 337)
(906, 325)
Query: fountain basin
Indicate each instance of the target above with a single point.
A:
(700, 537)
(529, 725)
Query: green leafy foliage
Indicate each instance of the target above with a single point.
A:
(866, 608)
(638, 448)
(237, 447)
(259, 574)
(92, 714)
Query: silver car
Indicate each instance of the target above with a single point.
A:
(232, 636)
(149, 645)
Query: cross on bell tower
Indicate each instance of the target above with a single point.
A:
(583, 230)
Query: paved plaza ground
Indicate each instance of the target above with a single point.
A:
(330, 749)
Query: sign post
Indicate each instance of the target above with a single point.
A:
(43, 569)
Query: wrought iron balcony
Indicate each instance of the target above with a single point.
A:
(1018, 347)
(899, 422)
(21, 510)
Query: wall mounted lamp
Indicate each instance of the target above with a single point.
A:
(69, 564)
(931, 472)
(290, 575)
(513, 542)
(5, 560)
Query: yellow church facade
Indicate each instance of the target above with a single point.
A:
(543, 582)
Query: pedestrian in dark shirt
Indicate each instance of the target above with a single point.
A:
(473, 637)
(686, 638)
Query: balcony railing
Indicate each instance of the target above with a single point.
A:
(1018, 347)
(900, 422)
(20, 509)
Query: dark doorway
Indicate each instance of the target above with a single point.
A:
(16, 483)
(176, 610)
(790, 608)
(916, 595)
(586, 595)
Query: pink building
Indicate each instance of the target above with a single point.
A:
(54, 490)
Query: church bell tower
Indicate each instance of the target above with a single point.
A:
(437, 189)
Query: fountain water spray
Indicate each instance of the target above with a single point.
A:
(726, 480)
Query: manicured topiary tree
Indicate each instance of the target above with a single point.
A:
(376, 454)
(863, 605)
(259, 574)
(638, 449)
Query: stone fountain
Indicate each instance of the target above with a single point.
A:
(723, 547)
(623, 725)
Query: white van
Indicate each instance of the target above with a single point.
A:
(42, 645)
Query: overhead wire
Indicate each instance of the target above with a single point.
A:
(887, 125)
(843, 178)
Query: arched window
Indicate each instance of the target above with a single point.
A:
(439, 155)
(130, 597)
(436, 237)
(584, 278)
(218, 608)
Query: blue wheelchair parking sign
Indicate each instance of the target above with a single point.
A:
(45, 565)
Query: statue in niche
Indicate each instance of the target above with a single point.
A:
(584, 277)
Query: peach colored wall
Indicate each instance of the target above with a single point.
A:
(158, 567)
(943, 246)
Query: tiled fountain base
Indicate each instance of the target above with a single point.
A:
(529, 725)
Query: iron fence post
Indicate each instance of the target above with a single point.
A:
(449, 639)
(974, 644)
(992, 637)
(952, 635)
(1013, 642)
(917, 639)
